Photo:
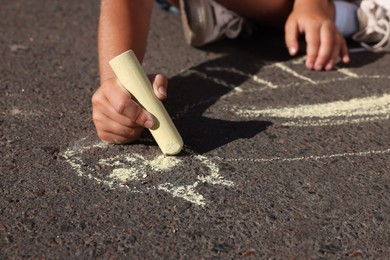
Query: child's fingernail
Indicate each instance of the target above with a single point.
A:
(162, 91)
(148, 123)
(292, 50)
(328, 67)
(309, 65)
(318, 67)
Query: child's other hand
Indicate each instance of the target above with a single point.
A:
(324, 42)
(117, 118)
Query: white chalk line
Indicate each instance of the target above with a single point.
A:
(270, 85)
(73, 157)
(374, 105)
(285, 68)
(336, 122)
(306, 158)
(17, 112)
(319, 83)
(205, 76)
(187, 108)
(293, 73)
(347, 72)
(255, 78)
(299, 61)
(187, 192)
(372, 108)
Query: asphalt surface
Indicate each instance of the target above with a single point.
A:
(279, 162)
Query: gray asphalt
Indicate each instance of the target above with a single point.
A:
(279, 162)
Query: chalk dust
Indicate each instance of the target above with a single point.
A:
(185, 192)
(164, 163)
(125, 174)
(15, 111)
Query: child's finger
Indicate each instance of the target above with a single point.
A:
(160, 85)
(124, 110)
(111, 131)
(333, 58)
(313, 43)
(114, 139)
(327, 45)
(344, 54)
(291, 37)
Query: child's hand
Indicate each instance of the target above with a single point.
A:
(324, 42)
(117, 118)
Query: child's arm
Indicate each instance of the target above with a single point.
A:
(315, 19)
(123, 25)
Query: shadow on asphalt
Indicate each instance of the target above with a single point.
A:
(198, 90)
(361, 59)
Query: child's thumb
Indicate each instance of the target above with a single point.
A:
(160, 86)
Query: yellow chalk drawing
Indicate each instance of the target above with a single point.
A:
(125, 174)
(188, 192)
(307, 158)
(241, 73)
(299, 61)
(378, 106)
(164, 163)
(205, 76)
(333, 122)
(17, 112)
(127, 168)
(347, 72)
(266, 84)
(213, 178)
(292, 72)
(126, 171)
(72, 155)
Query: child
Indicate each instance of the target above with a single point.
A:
(124, 25)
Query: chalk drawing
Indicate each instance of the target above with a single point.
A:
(16, 111)
(127, 171)
(185, 192)
(205, 76)
(266, 84)
(163, 163)
(377, 106)
(241, 73)
(299, 61)
(333, 113)
(292, 72)
(347, 72)
(188, 192)
(307, 158)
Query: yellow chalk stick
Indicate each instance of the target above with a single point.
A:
(133, 78)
